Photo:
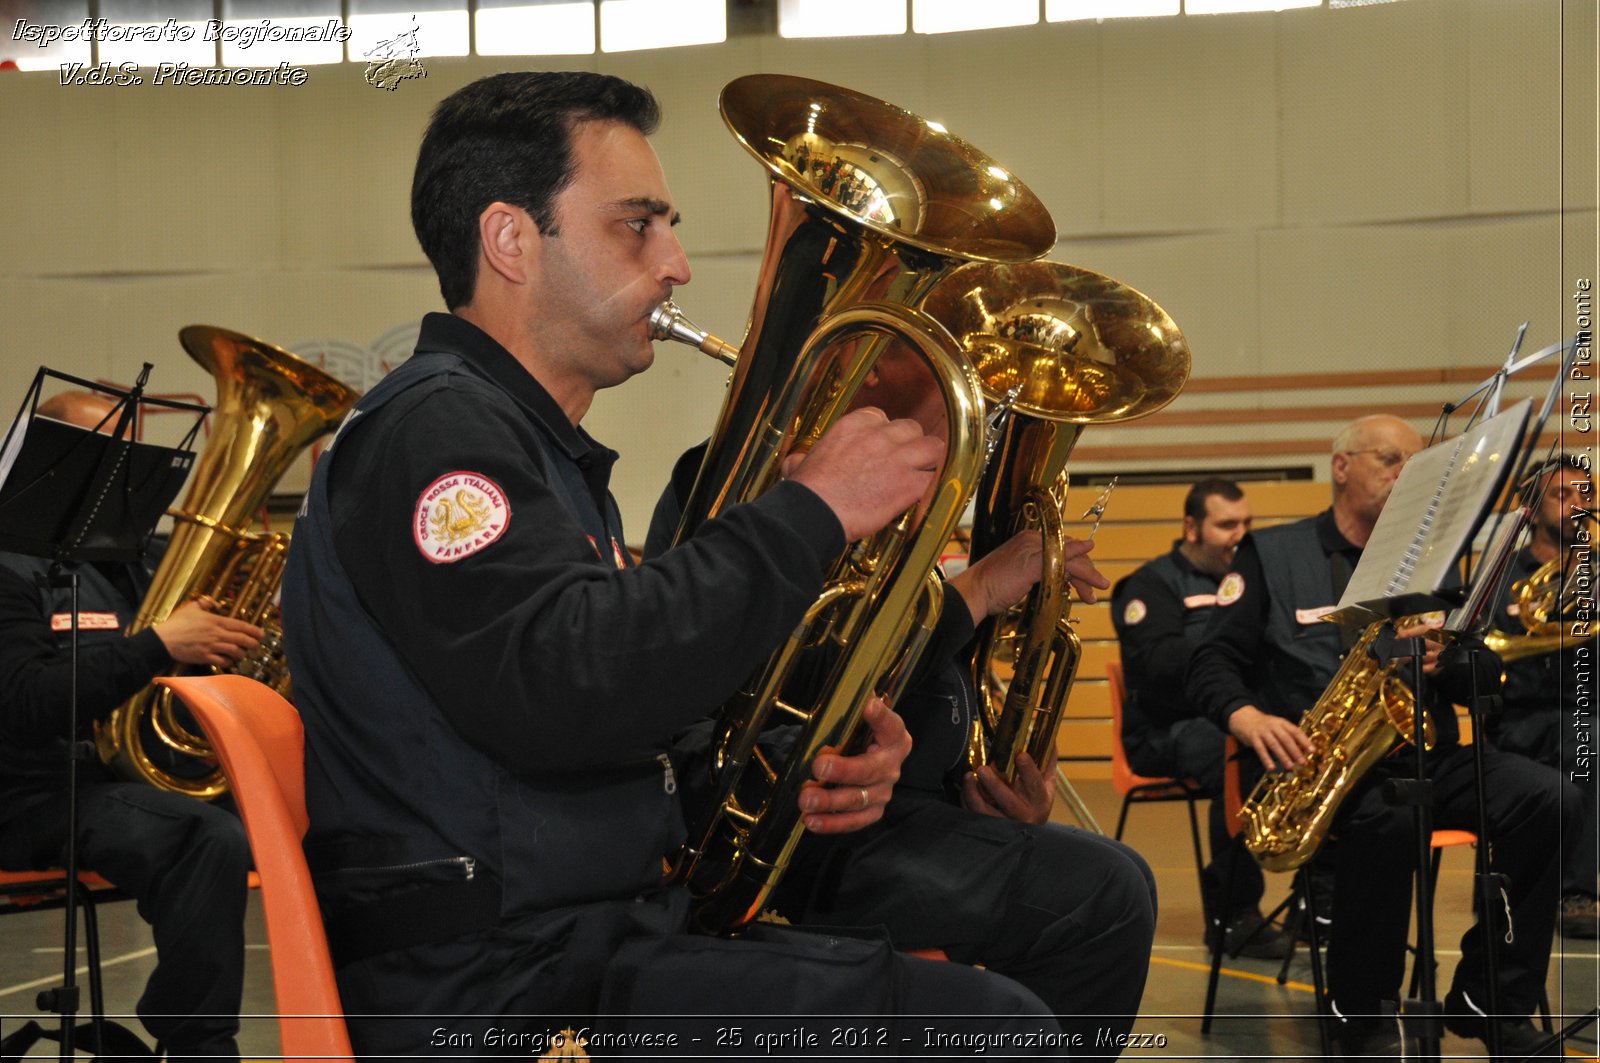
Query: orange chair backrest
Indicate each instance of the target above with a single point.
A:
(261, 744)
(1122, 776)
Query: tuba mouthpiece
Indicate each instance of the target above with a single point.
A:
(667, 322)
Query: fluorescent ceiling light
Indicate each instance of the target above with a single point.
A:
(1072, 10)
(950, 16)
(536, 29)
(630, 25)
(840, 18)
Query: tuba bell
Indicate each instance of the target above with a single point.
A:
(1061, 347)
(270, 406)
(871, 206)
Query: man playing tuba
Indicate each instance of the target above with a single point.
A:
(184, 860)
(488, 714)
(1266, 657)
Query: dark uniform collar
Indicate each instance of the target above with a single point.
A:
(447, 332)
(1184, 564)
(1331, 538)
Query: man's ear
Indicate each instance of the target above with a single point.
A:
(1191, 530)
(508, 241)
(1339, 468)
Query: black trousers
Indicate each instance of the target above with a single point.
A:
(1067, 913)
(1551, 737)
(1528, 808)
(185, 863)
(1194, 749)
(624, 978)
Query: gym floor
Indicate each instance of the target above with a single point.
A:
(1256, 1017)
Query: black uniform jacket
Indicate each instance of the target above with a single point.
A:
(1160, 611)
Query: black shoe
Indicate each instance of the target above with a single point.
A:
(1249, 934)
(1368, 1038)
(1518, 1037)
(1580, 916)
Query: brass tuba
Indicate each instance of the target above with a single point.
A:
(270, 406)
(1364, 711)
(871, 205)
(1064, 347)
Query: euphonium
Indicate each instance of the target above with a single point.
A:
(871, 205)
(1364, 711)
(1064, 347)
(270, 406)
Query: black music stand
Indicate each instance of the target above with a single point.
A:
(73, 494)
(1439, 503)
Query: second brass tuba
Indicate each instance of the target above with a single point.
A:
(1065, 347)
(270, 406)
(871, 205)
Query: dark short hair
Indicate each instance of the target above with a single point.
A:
(507, 137)
(1552, 465)
(1194, 503)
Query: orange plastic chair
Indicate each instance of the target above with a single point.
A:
(1144, 789)
(261, 744)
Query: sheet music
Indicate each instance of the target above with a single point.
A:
(1437, 503)
(8, 458)
(1473, 614)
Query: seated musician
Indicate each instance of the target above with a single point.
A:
(185, 861)
(1160, 611)
(489, 684)
(1265, 659)
(1547, 711)
(962, 860)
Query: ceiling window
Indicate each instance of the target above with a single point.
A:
(1225, 7)
(150, 32)
(840, 18)
(268, 32)
(407, 27)
(630, 25)
(51, 34)
(1073, 10)
(949, 16)
(535, 27)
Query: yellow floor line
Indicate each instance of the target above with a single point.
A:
(1249, 976)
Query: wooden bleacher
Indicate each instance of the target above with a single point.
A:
(1141, 523)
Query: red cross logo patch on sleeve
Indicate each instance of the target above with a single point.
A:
(457, 515)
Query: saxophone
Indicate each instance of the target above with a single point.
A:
(270, 406)
(1364, 711)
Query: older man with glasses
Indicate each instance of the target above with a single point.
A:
(1266, 658)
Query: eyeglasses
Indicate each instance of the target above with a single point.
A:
(1389, 459)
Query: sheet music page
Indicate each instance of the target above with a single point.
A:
(1491, 573)
(19, 428)
(1436, 505)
